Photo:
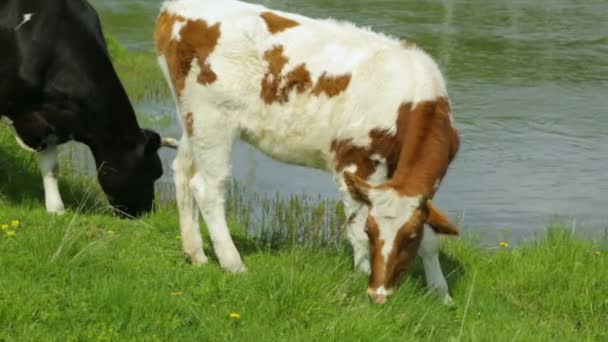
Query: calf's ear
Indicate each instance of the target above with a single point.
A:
(358, 188)
(440, 222)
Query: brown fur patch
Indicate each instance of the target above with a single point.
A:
(405, 248)
(298, 79)
(331, 85)
(439, 221)
(162, 32)
(276, 23)
(189, 122)
(416, 156)
(272, 79)
(277, 85)
(408, 44)
(377, 276)
(429, 143)
(198, 40)
(383, 144)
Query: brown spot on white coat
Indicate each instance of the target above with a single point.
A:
(189, 123)
(197, 40)
(278, 85)
(331, 85)
(277, 23)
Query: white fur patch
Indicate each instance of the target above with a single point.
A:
(391, 212)
(175, 31)
(381, 291)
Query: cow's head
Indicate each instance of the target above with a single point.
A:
(129, 179)
(394, 226)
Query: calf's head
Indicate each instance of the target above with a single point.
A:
(128, 176)
(394, 227)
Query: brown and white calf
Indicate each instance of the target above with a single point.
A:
(371, 109)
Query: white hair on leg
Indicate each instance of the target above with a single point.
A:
(429, 251)
(192, 241)
(47, 163)
(208, 185)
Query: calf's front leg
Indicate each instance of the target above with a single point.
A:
(429, 251)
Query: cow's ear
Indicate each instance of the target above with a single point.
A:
(152, 141)
(358, 188)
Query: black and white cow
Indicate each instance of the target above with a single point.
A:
(57, 83)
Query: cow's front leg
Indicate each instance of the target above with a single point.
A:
(429, 251)
(49, 168)
(192, 241)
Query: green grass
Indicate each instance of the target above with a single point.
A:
(95, 277)
(90, 276)
(138, 71)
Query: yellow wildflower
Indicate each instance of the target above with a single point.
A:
(235, 315)
(504, 244)
(10, 233)
(4, 226)
(15, 223)
(111, 232)
(176, 293)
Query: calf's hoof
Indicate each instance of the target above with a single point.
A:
(235, 268)
(447, 300)
(197, 258)
(56, 211)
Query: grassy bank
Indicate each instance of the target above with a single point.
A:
(89, 276)
(138, 71)
(94, 277)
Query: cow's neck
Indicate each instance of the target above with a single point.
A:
(113, 130)
(427, 146)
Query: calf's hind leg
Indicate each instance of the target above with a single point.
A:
(210, 151)
(192, 241)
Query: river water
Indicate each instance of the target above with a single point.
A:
(529, 85)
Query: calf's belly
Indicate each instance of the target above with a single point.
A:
(289, 148)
